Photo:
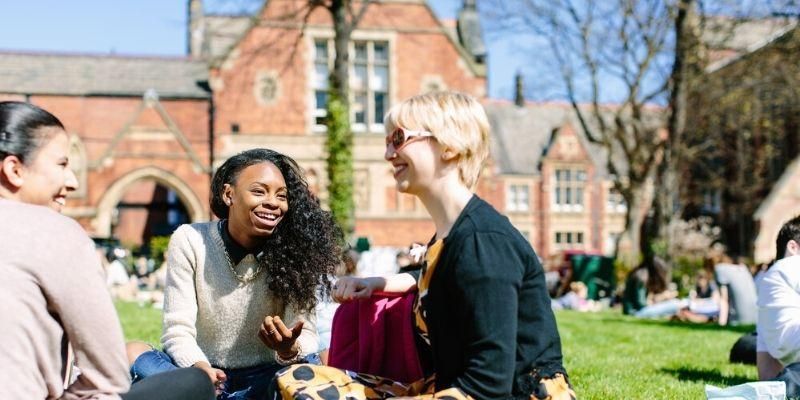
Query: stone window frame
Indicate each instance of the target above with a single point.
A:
(373, 123)
(569, 239)
(518, 197)
(568, 194)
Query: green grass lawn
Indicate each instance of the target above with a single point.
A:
(607, 355)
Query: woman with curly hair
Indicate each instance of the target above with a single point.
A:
(234, 285)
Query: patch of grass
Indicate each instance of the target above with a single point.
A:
(608, 356)
(142, 323)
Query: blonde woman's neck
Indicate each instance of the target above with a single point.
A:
(445, 201)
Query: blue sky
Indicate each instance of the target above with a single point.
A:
(158, 27)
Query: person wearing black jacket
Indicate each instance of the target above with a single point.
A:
(483, 322)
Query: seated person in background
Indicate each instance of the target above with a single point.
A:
(565, 272)
(703, 300)
(121, 285)
(575, 299)
(648, 290)
(778, 342)
(737, 289)
(406, 262)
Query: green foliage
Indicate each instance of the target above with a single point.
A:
(158, 246)
(339, 148)
(684, 269)
(607, 355)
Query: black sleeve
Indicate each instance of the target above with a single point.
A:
(414, 273)
(487, 278)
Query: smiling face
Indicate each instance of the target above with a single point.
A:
(414, 164)
(258, 201)
(46, 178)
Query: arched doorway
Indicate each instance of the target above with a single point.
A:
(144, 203)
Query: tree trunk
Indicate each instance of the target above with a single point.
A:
(629, 242)
(340, 78)
(668, 186)
(339, 144)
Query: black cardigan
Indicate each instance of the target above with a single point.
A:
(488, 310)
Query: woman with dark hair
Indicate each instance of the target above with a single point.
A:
(647, 290)
(234, 285)
(34, 147)
(53, 298)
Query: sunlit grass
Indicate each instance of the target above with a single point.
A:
(607, 355)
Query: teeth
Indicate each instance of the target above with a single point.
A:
(270, 217)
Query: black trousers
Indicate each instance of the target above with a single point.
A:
(180, 384)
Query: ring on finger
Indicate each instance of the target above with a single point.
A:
(272, 332)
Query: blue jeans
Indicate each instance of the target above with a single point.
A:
(662, 309)
(251, 383)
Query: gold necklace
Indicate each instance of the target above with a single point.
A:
(246, 278)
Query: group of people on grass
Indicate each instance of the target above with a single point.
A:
(241, 292)
(723, 292)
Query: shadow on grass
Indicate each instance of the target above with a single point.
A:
(709, 376)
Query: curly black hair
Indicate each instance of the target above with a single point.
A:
(306, 246)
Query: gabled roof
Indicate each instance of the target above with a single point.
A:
(108, 75)
(223, 32)
(521, 135)
(730, 39)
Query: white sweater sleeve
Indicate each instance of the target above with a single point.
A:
(779, 315)
(180, 302)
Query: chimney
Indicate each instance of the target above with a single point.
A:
(195, 32)
(519, 90)
(469, 32)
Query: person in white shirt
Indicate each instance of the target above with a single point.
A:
(778, 343)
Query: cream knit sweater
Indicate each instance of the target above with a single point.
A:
(209, 315)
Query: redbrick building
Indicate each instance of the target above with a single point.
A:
(149, 131)
(140, 134)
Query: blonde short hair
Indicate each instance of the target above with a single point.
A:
(456, 120)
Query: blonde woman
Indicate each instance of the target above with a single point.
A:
(483, 319)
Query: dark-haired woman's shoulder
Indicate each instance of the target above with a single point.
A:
(40, 224)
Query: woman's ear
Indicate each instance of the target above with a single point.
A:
(227, 194)
(449, 154)
(792, 248)
(13, 171)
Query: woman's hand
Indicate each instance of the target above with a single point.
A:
(217, 376)
(278, 337)
(349, 288)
